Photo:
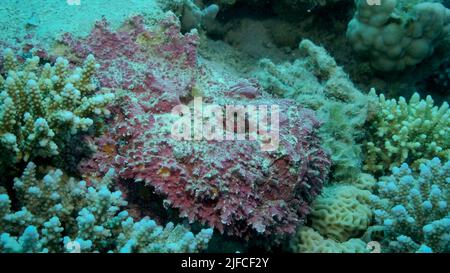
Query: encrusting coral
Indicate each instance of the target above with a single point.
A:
(413, 208)
(407, 132)
(60, 214)
(398, 33)
(42, 106)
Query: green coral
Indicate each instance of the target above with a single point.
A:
(413, 208)
(318, 83)
(43, 106)
(60, 214)
(407, 132)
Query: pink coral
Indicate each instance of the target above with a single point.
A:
(233, 186)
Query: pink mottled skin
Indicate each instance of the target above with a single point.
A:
(233, 186)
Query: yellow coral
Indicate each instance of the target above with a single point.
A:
(407, 132)
(341, 212)
(41, 106)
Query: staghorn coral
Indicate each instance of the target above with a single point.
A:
(413, 208)
(307, 240)
(59, 214)
(341, 212)
(398, 33)
(42, 107)
(317, 82)
(232, 186)
(407, 132)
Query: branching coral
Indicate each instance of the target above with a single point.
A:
(60, 214)
(41, 107)
(398, 33)
(316, 81)
(407, 132)
(413, 209)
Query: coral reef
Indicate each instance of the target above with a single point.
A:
(224, 126)
(398, 33)
(407, 132)
(46, 222)
(43, 106)
(341, 212)
(316, 81)
(413, 208)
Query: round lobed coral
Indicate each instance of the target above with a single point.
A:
(397, 33)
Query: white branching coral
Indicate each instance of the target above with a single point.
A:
(413, 209)
(407, 132)
(60, 214)
(43, 105)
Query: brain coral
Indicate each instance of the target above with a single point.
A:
(232, 186)
(307, 240)
(60, 214)
(341, 212)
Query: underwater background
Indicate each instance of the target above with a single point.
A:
(88, 99)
